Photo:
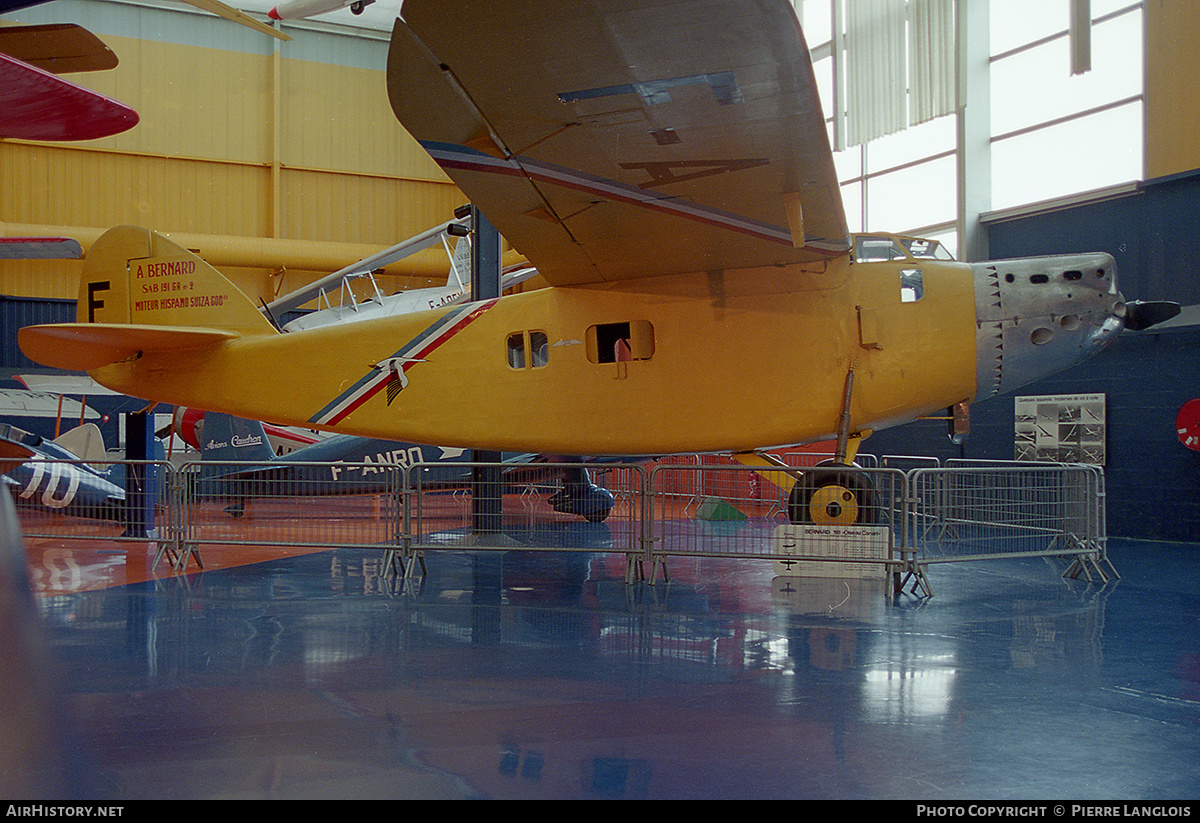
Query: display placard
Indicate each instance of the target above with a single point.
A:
(1060, 428)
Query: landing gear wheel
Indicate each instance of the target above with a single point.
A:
(828, 497)
(598, 516)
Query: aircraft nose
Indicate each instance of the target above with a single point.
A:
(1039, 315)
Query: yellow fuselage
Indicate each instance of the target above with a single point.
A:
(731, 361)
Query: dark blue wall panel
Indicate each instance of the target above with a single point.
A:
(17, 312)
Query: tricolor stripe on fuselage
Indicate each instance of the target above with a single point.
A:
(416, 349)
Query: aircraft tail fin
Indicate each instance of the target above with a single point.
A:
(142, 293)
(228, 438)
(85, 442)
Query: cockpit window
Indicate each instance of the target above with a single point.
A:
(874, 249)
(927, 249)
(868, 249)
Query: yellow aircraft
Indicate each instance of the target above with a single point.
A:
(666, 168)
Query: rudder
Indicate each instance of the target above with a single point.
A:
(135, 276)
(227, 438)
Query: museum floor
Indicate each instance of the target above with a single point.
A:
(531, 675)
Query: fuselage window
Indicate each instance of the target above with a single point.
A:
(539, 349)
(620, 342)
(912, 285)
(528, 350)
(516, 350)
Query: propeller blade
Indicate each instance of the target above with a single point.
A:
(1144, 314)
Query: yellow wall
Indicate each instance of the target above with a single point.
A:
(234, 145)
(1172, 70)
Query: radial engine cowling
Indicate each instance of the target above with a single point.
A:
(1040, 315)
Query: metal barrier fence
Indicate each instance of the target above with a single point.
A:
(978, 511)
(100, 500)
(809, 520)
(311, 505)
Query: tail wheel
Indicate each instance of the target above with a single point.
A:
(828, 497)
(598, 516)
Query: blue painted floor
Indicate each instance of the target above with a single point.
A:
(543, 675)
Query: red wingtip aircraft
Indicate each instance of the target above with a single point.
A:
(299, 9)
(37, 104)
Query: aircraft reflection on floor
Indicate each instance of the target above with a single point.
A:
(531, 674)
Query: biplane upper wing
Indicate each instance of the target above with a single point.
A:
(614, 139)
(59, 48)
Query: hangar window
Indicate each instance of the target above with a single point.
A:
(620, 342)
(528, 350)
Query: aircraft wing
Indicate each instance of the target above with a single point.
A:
(59, 48)
(617, 139)
(229, 13)
(38, 105)
(40, 248)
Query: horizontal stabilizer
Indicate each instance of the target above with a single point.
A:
(86, 346)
